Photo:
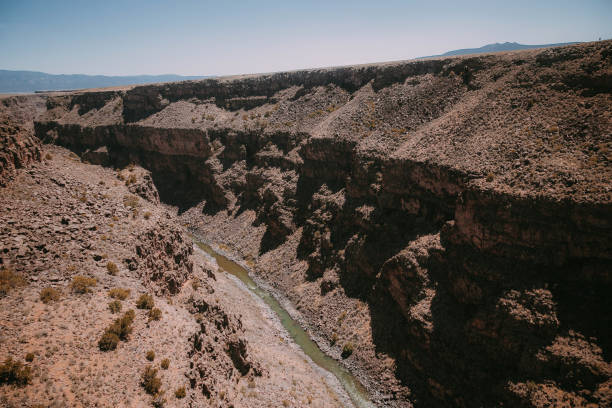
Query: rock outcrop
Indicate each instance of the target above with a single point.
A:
(18, 149)
(457, 211)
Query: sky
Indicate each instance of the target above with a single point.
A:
(132, 37)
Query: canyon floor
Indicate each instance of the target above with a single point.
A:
(442, 228)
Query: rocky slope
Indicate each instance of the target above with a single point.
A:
(451, 218)
(79, 247)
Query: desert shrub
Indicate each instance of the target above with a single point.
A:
(145, 302)
(130, 180)
(180, 393)
(108, 341)
(120, 329)
(82, 284)
(14, 372)
(159, 401)
(334, 338)
(195, 284)
(29, 357)
(119, 293)
(9, 280)
(112, 268)
(150, 355)
(48, 295)
(165, 363)
(114, 306)
(131, 201)
(150, 381)
(155, 314)
(48, 156)
(347, 350)
(490, 177)
(147, 215)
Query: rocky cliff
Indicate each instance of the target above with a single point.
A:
(450, 218)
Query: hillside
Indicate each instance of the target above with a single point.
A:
(447, 220)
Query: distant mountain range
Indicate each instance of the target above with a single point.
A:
(31, 81)
(497, 47)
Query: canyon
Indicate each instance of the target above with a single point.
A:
(447, 220)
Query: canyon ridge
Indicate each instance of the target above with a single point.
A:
(440, 227)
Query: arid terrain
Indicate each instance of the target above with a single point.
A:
(441, 227)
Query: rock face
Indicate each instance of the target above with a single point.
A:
(18, 149)
(464, 203)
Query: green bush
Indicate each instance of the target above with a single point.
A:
(145, 302)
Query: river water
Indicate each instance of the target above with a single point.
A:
(353, 387)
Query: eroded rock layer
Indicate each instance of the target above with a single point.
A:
(450, 218)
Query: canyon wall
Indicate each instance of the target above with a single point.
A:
(456, 212)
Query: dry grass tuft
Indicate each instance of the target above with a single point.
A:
(119, 293)
(82, 284)
(155, 314)
(14, 372)
(112, 268)
(114, 306)
(48, 295)
(10, 280)
(180, 393)
(165, 363)
(150, 381)
(145, 302)
(120, 329)
(150, 355)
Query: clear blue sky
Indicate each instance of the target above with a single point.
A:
(230, 37)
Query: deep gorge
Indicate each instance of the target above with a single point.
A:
(450, 209)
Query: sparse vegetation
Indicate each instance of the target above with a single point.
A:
(150, 381)
(145, 302)
(147, 215)
(180, 393)
(119, 293)
(155, 314)
(9, 280)
(29, 357)
(165, 363)
(48, 156)
(334, 338)
(120, 329)
(48, 295)
(131, 201)
(347, 350)
(490, 177)
(114, 306)
(150, 355)
(108, 341)
(112, 268)
(82, 284)
(14, 372)
(130, 180)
